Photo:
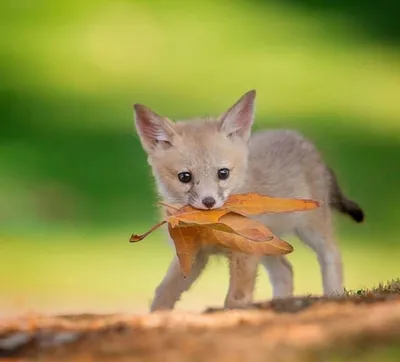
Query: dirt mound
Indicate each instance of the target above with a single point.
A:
(296, 329)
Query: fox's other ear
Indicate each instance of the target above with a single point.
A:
(153, 129)
(238, 119)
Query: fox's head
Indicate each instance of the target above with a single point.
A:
(199, 162)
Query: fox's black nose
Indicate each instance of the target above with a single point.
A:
(208, 202)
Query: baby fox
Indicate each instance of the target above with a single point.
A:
(203, 161)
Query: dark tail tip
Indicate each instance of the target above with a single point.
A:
(357, 214)
(341, 203)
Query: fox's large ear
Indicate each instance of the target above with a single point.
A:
(153, 129)
(238, 119)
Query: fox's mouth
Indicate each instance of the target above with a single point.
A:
(200, 206)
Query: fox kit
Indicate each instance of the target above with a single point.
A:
(203, 161)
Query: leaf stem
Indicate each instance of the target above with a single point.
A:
(135, 238)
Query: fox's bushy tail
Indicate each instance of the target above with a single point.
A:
(341, 203)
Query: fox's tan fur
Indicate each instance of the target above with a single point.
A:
(279, 163)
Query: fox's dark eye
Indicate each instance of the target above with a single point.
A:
(223, 173)
(185, 177)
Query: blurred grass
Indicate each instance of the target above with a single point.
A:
(74, 183)
(119, 51)
(72, 71)
(72, 75)
(104, 273)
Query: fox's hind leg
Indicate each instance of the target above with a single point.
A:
(316, 232)
(280, 274)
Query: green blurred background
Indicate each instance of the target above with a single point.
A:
(74, 183)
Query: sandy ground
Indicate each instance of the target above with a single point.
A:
(296, 329)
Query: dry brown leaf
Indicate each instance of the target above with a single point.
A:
(190, 215)
(244, 204)
(253, 204)
(235, 224)
(272, 246)
(243, 226)
(227, 227)
(187, 240)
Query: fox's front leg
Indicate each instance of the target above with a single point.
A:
(243, 272)
(174, 283)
